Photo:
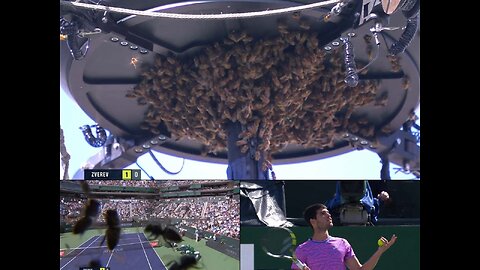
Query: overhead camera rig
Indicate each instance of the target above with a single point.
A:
(106, 56)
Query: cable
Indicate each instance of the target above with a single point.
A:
(200, 16)
(151, 178)
(373, 60)
(161, 166)
(407, 36)
(69, 30)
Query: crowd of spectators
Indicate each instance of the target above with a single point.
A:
(152, 183)
(219, 214)
(148, 183)
(124, 183)
(218, 218)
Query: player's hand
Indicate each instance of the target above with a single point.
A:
(306, 268)
(385, 244)
(383, 196)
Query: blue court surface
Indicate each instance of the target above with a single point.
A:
(132, 252)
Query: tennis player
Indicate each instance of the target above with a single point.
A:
(325, 252)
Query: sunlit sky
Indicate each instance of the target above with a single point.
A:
(362, 164)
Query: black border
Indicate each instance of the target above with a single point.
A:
(32, 142)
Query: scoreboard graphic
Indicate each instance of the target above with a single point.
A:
(124, 174)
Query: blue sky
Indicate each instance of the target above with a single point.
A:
(353, 165)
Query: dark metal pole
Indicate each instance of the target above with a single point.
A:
(243, 166)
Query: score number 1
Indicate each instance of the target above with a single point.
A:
(131, 175)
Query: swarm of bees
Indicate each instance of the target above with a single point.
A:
(283, 90)
(91, 212)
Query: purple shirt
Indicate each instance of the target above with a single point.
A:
(329, 254)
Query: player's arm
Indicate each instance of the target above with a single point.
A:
(294, 266)
(353, 264)
(300, 256)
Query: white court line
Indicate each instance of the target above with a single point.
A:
(148, 261)
(156, 254)
(125, 242)
(77, 247)
(80, 253)
(121, 245)
(109, 258)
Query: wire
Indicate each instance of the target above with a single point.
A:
(407, 36)
(151, 178)
(163, 168)
(373, 60)
(384, 39)
(200, 16)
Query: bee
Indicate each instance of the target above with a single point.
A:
(406, 82)
(312, 43)
(85, 188)
(382, 99)
(368, 132)
(282, 27)
(395, 62)
(247, 39)
(363, 121)
(386, 129)
(90, 212)
(82, 225)
(144, 126)
(354, 128)
(171, 59)
(257, 155)
(241, 142)
(112, 234)
(141, 101)
(134, 62)
(304, 24)
(296, 16)
(168, 234)
(237, 36)
(186, 261)
(369, 47)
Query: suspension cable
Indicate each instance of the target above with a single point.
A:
(199, 16)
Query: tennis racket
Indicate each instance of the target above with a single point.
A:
(280, 243)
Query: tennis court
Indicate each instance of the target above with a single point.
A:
(132, 252)
(79, 250)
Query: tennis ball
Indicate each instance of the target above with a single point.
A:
(380, 242)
